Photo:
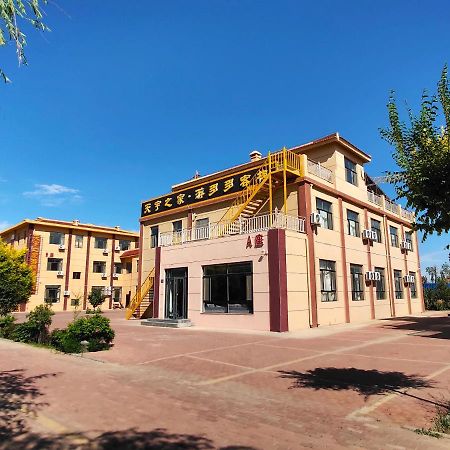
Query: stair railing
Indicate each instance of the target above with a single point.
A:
(141, 292)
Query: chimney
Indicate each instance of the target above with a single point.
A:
(255, 155)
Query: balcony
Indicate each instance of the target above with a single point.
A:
(390, 206)
(255, 224)
(315, 168)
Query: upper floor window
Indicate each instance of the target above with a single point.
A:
(324, 208)
(78, 241)
(100, 242)
(353, 223)
(76, 275)
(376, 226)
(54, 264)
(128, 267)
(202, 228)
(124, 245)
(177, 226)
(393, 232)
(380, 284)
(99, 267)
(408, 238)
(356, 273)
(154, 236)
(350, 172)
(56, 238)
(118, 268)
(327, 280)
(398, 284)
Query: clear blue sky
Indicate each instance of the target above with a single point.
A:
(118, 103)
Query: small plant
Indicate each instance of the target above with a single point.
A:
(96, 298)
(441, 422)
(65, 342)
(35, 328)
(7, 326)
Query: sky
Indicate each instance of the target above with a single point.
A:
(117, 104)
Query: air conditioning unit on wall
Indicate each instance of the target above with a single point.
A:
(406, 245)
(60, 273)
(373, 275)
(408, 279)
(62, 247)
(66, 293)
(315, 219)
(369, 235)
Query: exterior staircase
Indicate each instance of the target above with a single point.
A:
(140, 305)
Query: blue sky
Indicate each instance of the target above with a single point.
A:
(119, 103)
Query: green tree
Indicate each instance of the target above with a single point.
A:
(422, 154)
(16, 278)
(14, 14)
(96, 298)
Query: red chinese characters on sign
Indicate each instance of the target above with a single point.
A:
(258, 243)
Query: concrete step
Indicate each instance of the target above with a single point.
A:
(167, 323)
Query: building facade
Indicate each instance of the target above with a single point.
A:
(296, 239)
(70, 259)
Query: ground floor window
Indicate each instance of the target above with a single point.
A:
(398, 284)
(413, 285)
(380, 284)
(228, 288)
(356, 273)
(327, 280)
(52, 294)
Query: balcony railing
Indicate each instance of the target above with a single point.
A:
(319, 171)
(374, 198)
(255, 224)
(391, 206)
(407, 214)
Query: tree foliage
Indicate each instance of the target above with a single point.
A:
(422, 154)
(96, 298)
(16, 278)
(14, 14)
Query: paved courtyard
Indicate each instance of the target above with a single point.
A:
(365, 386)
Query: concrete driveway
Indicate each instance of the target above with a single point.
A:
(365, 386)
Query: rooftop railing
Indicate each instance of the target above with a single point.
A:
(254, 224)
(391, 206)
(374, 198)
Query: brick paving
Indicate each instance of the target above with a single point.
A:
(364, 386)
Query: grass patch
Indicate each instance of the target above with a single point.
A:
(441, 422)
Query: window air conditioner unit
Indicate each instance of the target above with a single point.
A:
(66, 293)
(117, 248)
(373, 275)
(105, 251)
(60, 273)
(315, 219)
(115, 275)
(406, 245)
(62, 247)
(409, 279)
(104, 275)
(369, 235)
(107, 290)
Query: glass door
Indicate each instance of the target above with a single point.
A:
(176, 293)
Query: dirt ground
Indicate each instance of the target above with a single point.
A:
(365, 386)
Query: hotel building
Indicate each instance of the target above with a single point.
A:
(299, 238)
(70, 259)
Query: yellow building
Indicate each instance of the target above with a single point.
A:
(298, 238)
(70, 259)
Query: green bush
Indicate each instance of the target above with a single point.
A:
(35, 328)
(61, 340)
(7, 326)
(95, 329)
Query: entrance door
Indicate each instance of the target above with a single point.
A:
(176, 293)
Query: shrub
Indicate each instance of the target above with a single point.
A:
(35, 328)
(64, 342)
(95, 329)
(7, 326)
(96, 298)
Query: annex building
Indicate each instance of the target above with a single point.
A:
(299, 238)
(70, 259)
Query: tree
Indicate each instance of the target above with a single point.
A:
(96, 298)
(432, 272)
(13, 13)
(16, 278)
(422, 154)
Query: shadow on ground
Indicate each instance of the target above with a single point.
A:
(431, 327)
(20, 402)
(365, 382)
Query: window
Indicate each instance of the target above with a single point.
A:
(350, 172)
(56, 238)
(124, 245)
(353, 223)
(76, 275)
(393, 232)
(328, 280)
(202, 228)
(99, 267)
(356, 274)
(228, 288)
(380, 285)
(54, 264)
(413, 285)
(324, 209)
(408, 238)
(100, 289)
(78, 241)
(376, 226)
(398, 284)
(117, 268)
(100, 242)
(128, 267)
(52, 294)
(154, 237)
(177, 226)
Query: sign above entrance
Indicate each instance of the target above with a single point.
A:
(212, 190)
(258, 241)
